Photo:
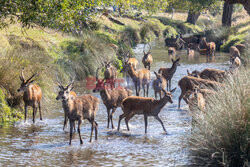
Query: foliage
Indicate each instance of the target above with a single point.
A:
(220, 135)
(148, 31)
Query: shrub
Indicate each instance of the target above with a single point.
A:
(149, 31)
(221, 133)
(130, 36)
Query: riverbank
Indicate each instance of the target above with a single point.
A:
(52, 53)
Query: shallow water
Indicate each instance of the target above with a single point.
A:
(46, 144)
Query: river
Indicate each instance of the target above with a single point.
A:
(46, 144)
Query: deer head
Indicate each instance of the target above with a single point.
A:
(195, 73)
(64, 92)
(158, 77)
(25, 83)
(149, 51)
(168, 95)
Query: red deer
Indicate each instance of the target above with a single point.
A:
(72, 95)
(112, 99)
(187, 83)
(196, 101)
(171, 51)
(158, 84)
(110, 74)
(241, 47)
(79, 108)
(211, 47)
(209, 73)
(139, 77)
(193, 46)
(32, 95)
(190, 52)
(128, 60)
(146, 106)
(168, 73)
(147, 59)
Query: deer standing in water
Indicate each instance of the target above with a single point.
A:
(168, 73)
(110, 74)
(32, 95)
(59, 96)
(159, 83)
(112, 99)
(147, 59)
(79, 108)
(140, 78)
(134, 105)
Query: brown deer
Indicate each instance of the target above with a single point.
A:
(190, 52)
(32, 95)
(147, 59)
(140, 78)
(211, 47)
(196, 101)
(79, 108)
(241, 47)
(187, 84)
(158, 84)
(146, 106)
(72, 95)
(171, 51)
(128, 59)
(193, 46)
(110, 74)
(168, 73)
(209, 73)
(112, 99)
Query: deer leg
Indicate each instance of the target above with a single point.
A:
(128, 118)
(140, 85)
(147, 88)
(143, 86)
(155, 95)
(146, 122)
(120, 118)
(160, 94)
(169, 85)
(25, 114)
(40, 112)
(71, 130)
(96, 131)
(108, 112)
(34, 113)
(78, 129)
(180, 97)
(157, 117)
(65, 120)
(111, 117)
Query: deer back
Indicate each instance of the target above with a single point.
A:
(33, 94)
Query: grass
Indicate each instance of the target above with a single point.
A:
(220, 136)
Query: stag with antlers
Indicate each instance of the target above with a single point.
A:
(147, 59)
(32, 95)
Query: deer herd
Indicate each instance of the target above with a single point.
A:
(195, 88)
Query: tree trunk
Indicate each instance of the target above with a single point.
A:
(193, 17)
(245, 3)
(227, 14)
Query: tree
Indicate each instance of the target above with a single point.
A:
(227, 14)
(245, 3)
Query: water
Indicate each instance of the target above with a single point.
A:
(46, 144)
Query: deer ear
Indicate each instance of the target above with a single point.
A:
(178, 59)
(155, 73)
(172, 60)
(188, 72)
(173, 90)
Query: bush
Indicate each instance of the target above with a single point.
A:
(169, 31)
(130, 36)
(221, 132)
(149, 31)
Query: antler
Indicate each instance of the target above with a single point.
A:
(72, 82)
(149, 47)
(22, 76)
(31, 77)
(58, 82)
(96, 74)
